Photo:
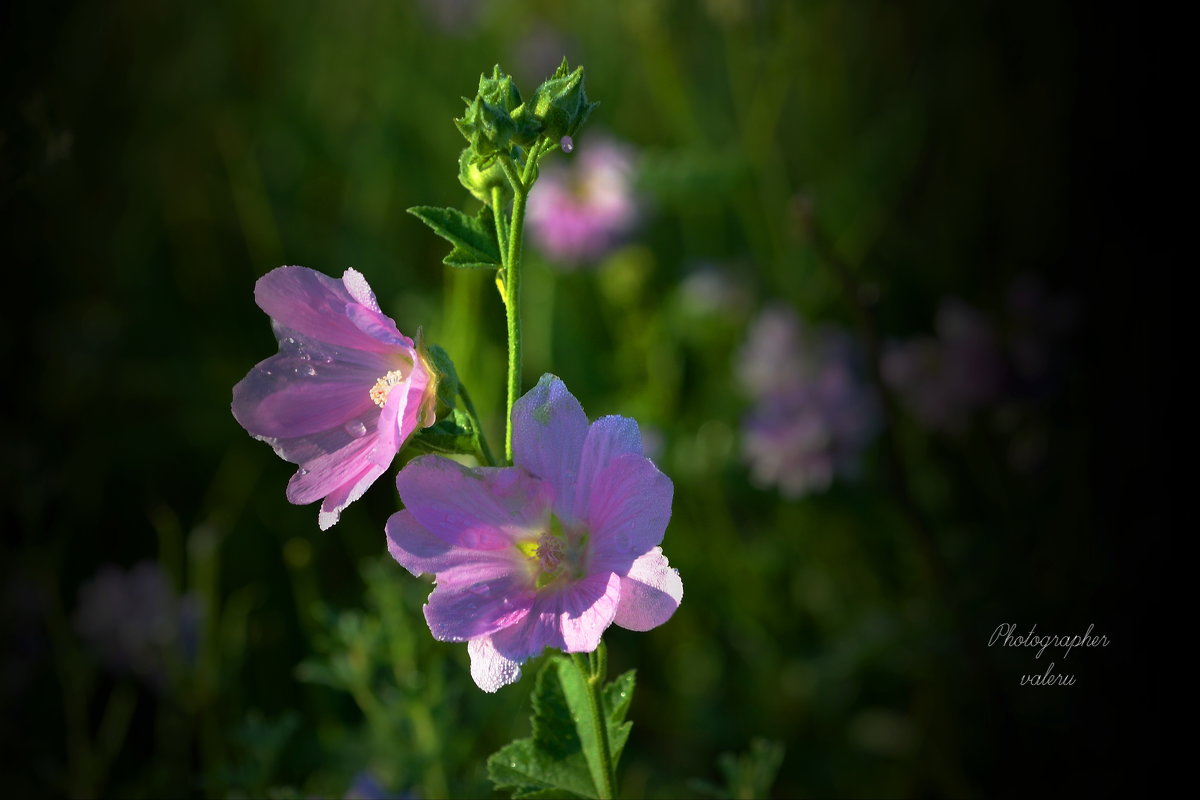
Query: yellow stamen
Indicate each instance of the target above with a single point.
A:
(379, 392)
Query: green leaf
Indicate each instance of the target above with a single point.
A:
(454, 433)
(474, 238)
(618, 694)
(552, 763)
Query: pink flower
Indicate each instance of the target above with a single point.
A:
(547, 553)
(578, 213)
(343, 394)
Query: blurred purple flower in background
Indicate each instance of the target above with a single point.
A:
(343, 394)
(366, 786)
(577, 213)
(944, 379)
(812, 414)
(548, 552)
(971, 366)
(136, 622)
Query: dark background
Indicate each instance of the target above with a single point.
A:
(156, 159)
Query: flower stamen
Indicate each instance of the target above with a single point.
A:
(383, 386)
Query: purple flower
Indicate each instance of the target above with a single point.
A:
(343, 394)
(547, 553)
(943, 380)
(366, 786)
(136, 622)
(812, 414)
(578, 213)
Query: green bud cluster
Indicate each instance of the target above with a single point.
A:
(497, 121)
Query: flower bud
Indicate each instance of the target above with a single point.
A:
(560, 104)
(481, 176)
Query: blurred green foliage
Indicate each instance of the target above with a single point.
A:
(155, 159)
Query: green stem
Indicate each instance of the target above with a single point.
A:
(512, 308)
(498, 215)
(592, 668)
(485, 451)
(512, 282)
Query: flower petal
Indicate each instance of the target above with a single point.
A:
(478, 599)
(650, 593)
(347, 493)
(484, 508)
(586, 615)
(490, 669)
(628, 512)
(571, 619)
(359, 289)
(549, 428)
(314, 305)
(421, 552)
(607, 438)
(327, 472)
(412, 417)
(378, 326)
(280, 399)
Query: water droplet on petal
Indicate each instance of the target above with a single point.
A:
(567, 144)
(479, 589)
(356, 428)
(302, 471)
(310, 370)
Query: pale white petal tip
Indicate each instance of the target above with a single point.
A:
(327, 519)
(489, 669)
(359, 289)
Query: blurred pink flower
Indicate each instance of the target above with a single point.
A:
(813, 414)
(578, 213)
(343, 394)
(546, 553)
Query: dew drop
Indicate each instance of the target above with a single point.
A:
(356, 429)
(567, 144)
(310, 370)
(479, 589)
(302, 471)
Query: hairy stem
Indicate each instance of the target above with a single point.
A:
(511, 257)
(592, 668)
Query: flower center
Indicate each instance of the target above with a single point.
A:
(383, 386)
(555, 553)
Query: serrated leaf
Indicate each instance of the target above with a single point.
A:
(474, 238)
(561, 759)
(553, 757)
(618, 694)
